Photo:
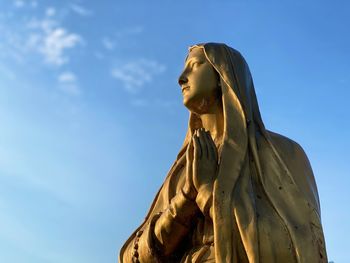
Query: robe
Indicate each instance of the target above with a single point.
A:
(264, 206)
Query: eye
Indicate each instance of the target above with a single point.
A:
(195, 64)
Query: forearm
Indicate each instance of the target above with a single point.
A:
(175, 223)
(142, 248)
(160, 237)
(204, 199)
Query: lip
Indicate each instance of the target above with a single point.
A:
(183, 89)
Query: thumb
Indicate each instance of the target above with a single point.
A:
(189, 161)
(189, 152)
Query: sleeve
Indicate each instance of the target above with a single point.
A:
(175, 223)
(204, 199)
(141, 247)
(160, 237)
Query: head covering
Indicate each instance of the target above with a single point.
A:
(251, 156)
(248, 146)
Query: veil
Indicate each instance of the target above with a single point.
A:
(279, 165)
(248, 146)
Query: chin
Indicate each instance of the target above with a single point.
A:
(187, 103)
(195, 105)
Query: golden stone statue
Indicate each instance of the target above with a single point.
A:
(237, 192)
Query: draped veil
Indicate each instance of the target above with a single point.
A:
(294, 199)
(289, 186)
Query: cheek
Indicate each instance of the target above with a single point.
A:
(212, 78)
(201, 81)
(207, 85)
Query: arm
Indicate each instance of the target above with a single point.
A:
(204, 199)
(205, 164)
(160, 237)
(175, 223)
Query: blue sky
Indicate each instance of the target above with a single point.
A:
(92, 117)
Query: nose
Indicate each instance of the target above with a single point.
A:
(182, 79)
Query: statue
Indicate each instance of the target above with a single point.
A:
(236, 192)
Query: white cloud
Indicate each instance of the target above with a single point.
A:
(55, 43)
(34, 4)
(67, 77)
(134, 75)
(44, 26)
(108, 43)
(44, 36)
(51, 40)
(50, 11)
(22, 3)
(68, 83)
(19, 3)
(80, 10)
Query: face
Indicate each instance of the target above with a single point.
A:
(199, 83)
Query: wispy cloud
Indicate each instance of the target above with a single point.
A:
(108, 43)
(45, 36)
(67, 77)
(68, 83)
(50, 11)
(51, 40)
(18, 3)
(135, 74)
(55, 43)
(22, 3)
(78, 9)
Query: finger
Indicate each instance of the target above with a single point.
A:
(197, 151)
(203, 143)
(213, 147)
(209, 140)
(189, 151)
(210, 154)
(189, 160)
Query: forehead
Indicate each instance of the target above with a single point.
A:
(196, 52)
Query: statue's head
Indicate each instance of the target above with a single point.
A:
(217, 74)
(199, 82)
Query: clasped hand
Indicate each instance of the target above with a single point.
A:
(201, 163)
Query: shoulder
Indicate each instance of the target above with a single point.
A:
(292, 154)
(287, 146)
(296, 160)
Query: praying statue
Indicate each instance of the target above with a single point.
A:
(237, 192)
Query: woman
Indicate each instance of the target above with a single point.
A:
(237, 192)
